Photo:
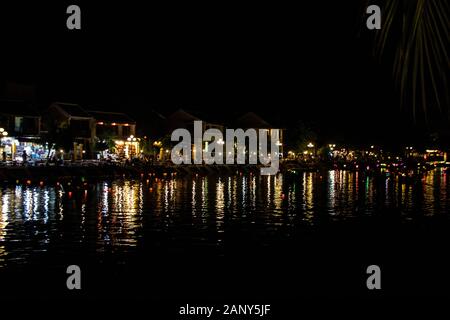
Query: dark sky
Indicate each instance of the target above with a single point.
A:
(285, 61)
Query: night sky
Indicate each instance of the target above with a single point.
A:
(310, 61)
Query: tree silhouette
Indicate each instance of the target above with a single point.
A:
(414, 37)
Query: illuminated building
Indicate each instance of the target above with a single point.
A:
(79, 123)
(119, 128)
(254, 121)
(21, 128)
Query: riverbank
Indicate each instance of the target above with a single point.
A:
(92, 171)
(55, 173)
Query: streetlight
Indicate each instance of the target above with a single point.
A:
(3, 133)
(311, 146)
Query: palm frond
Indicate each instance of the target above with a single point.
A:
(415, 37)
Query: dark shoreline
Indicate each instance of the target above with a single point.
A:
(35, 175)
(52, 174)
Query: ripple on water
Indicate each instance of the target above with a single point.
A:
(126, 215)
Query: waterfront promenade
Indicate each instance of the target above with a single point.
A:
(43, 173)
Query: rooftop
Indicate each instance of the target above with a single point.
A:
(111, 117)
(73, 110)
(252, 120)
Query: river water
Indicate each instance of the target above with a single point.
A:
(124, 227)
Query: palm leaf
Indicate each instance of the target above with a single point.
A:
(415, 36)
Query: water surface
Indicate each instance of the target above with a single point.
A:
(124, 222)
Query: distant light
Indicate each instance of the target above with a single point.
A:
(310, 145)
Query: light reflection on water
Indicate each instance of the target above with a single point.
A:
(117, 216)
